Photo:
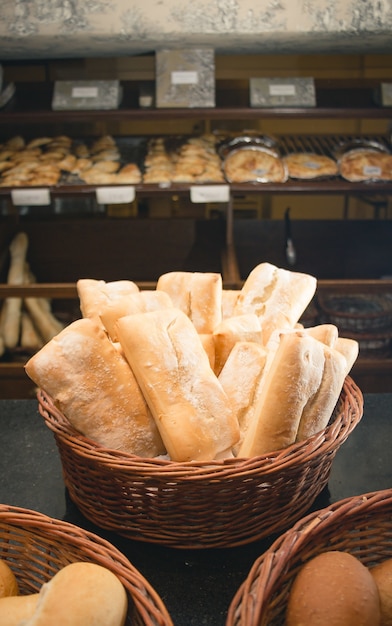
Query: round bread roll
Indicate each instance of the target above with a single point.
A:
(81, 594)
(382, 574)
(8, 582)
(333, 589)
(15, 609)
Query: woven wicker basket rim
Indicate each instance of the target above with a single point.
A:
(146, 599)
(324, 301)
(348, 414)
(274, 563)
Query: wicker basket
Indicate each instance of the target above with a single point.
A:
(36, 546)
(361, 313)
(361, 525)
(194, 504)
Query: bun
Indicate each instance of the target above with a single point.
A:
(382, 574)
(8, 583)
(333, 589)
(92, 384)
(16, 610)
(188, 403)
(81, 594)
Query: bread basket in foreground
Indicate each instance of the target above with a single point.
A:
(194, 504)
(361, 525)
(36, 546)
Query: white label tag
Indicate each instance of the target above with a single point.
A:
(84, 92)
(115, 195)
(30, 197)
(210, 193)
(184, 78)
(282, 90)
(372, 170)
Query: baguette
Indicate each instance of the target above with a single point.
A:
(277, 296)
(46, 323)
(190, 408)
(81, 594)
(240, 378)
(197, 294)
(293, 376)
(139, 302)
(94, 294)
(319, 408)
(93, 385)
(245, 327)
(13, 306)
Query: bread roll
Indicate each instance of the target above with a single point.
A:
(245, 327)
(382, 574)
(333, 589)
(229, 300)
(349, 348)
(15, 610)
(197, 294)
(293, 376)
(94, 294)
(191, 409)
(240, 378)
(140, 302)
(319, 408)
(93, 385)
(81, 594)
(8, 583)
(277, 296)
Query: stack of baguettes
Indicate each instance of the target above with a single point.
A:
(194, 371)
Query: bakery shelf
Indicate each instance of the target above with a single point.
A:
(335, 99)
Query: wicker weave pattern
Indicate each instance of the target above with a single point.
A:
(361, 525)
(36, 547)
(193, 504)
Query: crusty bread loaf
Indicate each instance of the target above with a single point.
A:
(139, 302)
(245, 327)
(94, 294)
(81, 594)
(350, 350)
(319, 408)
(197, 294)
(229, 300)
(292, 377)
(191, 409)
(333, 589)
(240, 378)
(277, 296)
(93, 385)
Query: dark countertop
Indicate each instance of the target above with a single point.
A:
(196, 585)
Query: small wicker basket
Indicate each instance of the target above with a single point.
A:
(361, 525)
(357, 312)
(199, 505)
(36, 546)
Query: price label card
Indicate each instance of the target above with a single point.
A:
(184, 78)
(84, 92)
(115, 195)
(210, 193)
(30, 197)
(282, 90)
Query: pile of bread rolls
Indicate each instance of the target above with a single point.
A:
(44, 161)
(81, 594)
(193, 371)
(335, 588)
(26, 323)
